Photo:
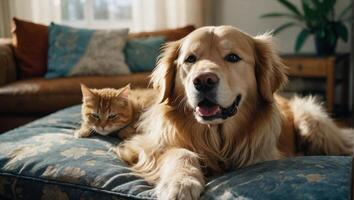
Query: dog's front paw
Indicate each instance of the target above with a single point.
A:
(184, 188)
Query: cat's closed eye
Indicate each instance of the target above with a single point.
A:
(112, 116)
(95, 116)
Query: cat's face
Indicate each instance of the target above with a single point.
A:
(106, 110)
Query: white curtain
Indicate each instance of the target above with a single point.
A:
(38, 11)
(147, 15)
(5, 18)
(160, 14)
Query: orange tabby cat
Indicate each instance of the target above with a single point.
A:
(108, 110)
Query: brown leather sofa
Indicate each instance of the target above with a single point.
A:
(22, 101)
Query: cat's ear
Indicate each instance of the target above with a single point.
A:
(86, 93)
(125, 91)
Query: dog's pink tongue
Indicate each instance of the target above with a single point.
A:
(208, 111)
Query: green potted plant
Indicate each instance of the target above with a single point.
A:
(317, 17)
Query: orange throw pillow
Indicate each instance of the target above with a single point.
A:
(30, 43)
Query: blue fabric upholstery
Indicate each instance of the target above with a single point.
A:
(42, 160)
(141, 54)
(77, 51)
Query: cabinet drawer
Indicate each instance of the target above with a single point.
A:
(307, 67)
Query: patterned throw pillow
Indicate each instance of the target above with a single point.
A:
(74, 52)
(141, 54)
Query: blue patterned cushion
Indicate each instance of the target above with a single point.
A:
(141, 54)
(42, 160)
(74, 51)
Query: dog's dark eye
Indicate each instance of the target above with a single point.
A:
(191, 59)
(232, 58)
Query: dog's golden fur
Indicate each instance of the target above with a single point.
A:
(176, 149)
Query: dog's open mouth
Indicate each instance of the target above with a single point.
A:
(209, 110)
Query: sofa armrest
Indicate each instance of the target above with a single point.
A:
(8, 71)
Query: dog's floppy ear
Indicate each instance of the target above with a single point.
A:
(163, 76)
(270, 70)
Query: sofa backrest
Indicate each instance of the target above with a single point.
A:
(8, 70)
(169, 34)
(8, 63)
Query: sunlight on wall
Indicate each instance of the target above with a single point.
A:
(246, 16)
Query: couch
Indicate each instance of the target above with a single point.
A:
(43, 160)
(24, 100)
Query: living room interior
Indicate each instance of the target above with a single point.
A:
(21, 103)
(48, 48)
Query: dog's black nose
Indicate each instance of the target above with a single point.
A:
(205, 82)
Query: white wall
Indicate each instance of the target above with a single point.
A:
(245, 14)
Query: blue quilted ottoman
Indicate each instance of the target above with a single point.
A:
(42, 160)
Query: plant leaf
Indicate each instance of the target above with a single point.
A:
(270, 15)
(301, 38)
(290, 6)
(345, 11)
(332, 37)
(325, 6)
(341, 31)
(329, 5)
(282, 27)
(309, 13)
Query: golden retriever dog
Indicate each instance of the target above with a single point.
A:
(218, 111)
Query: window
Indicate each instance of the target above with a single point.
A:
(96, 13)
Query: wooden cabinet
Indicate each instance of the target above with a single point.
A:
(316, 67)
